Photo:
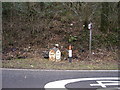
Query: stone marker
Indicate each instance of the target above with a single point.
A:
(52, 55)
(58, 55)
(55, 54)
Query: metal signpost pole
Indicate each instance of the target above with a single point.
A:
(90, 40)
(90, 43)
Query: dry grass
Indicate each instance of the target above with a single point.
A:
(37, 63)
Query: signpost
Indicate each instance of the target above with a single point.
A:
(90, 40)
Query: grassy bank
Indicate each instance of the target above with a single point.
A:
(37, 63)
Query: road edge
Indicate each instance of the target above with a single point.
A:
(11, 69)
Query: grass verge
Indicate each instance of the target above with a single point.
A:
(37, 63)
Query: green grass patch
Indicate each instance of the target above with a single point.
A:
(37, 63)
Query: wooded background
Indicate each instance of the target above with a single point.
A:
(32, 27)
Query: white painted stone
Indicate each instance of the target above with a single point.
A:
(58, 55)
(55, 54)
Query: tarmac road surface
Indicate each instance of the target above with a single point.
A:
(32, 78)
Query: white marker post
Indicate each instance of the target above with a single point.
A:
(90, 40)
(70, 53)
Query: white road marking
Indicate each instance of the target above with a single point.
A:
(25, 77)
(11, 69)
(103, 84)
(62, 83)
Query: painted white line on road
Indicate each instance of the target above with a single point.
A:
(59, 70)
(62, 83)
(103, 84)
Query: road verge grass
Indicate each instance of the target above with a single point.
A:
(38, 63)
